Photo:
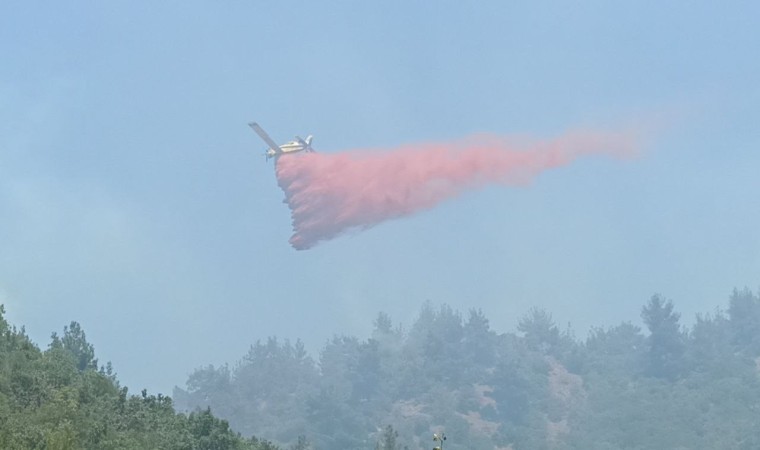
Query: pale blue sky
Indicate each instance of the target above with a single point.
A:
(135, 200)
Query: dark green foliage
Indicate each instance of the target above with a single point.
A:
(274, 380)
(671, 389)
(620, 388)
(539, 330)
(478, 342)
(59, 399)
(543, 389)
(744, 314)
(75, 343)
(666, 342)
(615, 352)
(443, 372)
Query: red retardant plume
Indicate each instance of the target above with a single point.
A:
(330, 193)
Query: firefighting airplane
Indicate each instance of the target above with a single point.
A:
(275, 151)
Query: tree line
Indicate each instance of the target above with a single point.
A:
(659, 386)
(61, 399)
(621, 387)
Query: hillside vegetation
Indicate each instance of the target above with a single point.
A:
(59, 399)
(665, 387)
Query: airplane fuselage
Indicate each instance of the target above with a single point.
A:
(289, 147)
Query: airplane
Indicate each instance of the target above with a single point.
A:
(275, 151)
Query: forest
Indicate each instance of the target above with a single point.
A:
(60, 399)
(659, 386)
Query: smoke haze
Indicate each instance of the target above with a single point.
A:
(329, 194)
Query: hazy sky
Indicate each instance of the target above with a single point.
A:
(135, 200)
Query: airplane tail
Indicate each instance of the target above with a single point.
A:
(308, 143)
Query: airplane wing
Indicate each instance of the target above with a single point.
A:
(263, 135)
